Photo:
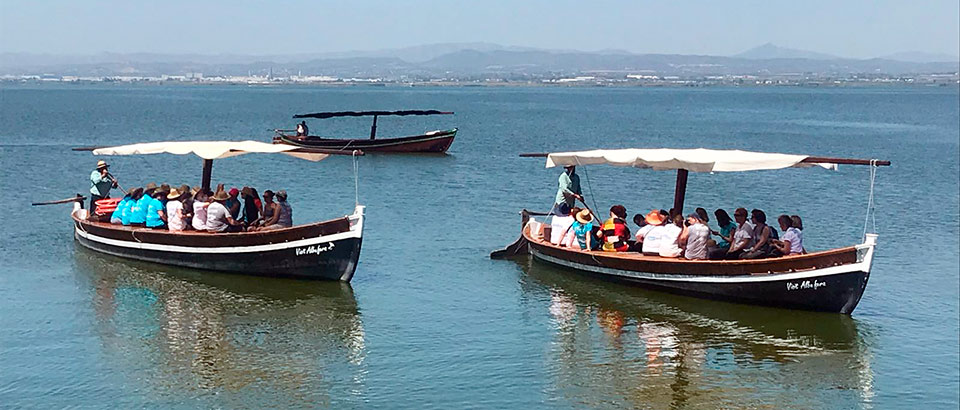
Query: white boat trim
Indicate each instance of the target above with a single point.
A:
(356, 231)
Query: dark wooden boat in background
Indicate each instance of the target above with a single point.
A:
(830, 281)
(327, 250)
(433, 141)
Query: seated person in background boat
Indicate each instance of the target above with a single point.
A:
(175, 221)
(762, 234)
(233, 203)
(614, 234)
(116, 217)
(798, 223)
(251, 206)
(200, 203)
(302, 130)
(156, 213)
(742, 236)
(138, 211)
(568, 190)
(650, 235)
(582, 228)
(670, 246)
(218, 216)
(725, 234)
(695, 237)
(792, 242)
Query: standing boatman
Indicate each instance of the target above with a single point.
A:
(568, 190)
(100, 183)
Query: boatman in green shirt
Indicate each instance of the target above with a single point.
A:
(568, 190)
(100, 183)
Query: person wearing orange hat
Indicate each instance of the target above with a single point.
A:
(100, 183)
(652, 220)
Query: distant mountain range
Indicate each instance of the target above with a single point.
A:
(475, 59)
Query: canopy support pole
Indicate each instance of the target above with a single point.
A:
(373, 129)
(207, 170)
(681, 191)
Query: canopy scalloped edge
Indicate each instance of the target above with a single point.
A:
(697, 160)
(209, 149)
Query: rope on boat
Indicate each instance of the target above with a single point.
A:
(871, 203)
(593, 197)
(356, 178)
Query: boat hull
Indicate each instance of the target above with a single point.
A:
(327, 250)
(437, 142)
(830, 281)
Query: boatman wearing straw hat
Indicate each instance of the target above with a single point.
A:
(568, 190)
(100, 183)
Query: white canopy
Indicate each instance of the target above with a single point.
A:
(208, 149)
(697, 160)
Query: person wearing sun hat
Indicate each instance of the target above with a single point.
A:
(583, 230)
(175, 220)
(646, 242)
(100, 183)
(218, 216)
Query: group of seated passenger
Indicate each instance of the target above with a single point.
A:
(197, 209)
(670, 235)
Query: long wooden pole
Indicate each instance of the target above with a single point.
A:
(681, 191)
(207, 170)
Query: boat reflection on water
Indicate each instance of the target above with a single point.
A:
(619, 346)
(192, 336)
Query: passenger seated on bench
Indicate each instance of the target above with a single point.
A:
(615, 233)
(670, 241)
(116, 217)
(725, 234)
(792, 242)
(742, 237)
(582, 228)
(695, 238)
(559, 225)
(651, 235)
(762, 233)
(798, 223)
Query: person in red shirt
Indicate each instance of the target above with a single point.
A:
(615, 232)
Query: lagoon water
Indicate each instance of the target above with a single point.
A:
(429, 320)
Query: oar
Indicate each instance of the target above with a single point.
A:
(118, 184)
(78, 198)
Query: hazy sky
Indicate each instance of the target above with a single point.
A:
(848, 28)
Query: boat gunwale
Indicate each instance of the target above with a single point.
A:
(318, 139)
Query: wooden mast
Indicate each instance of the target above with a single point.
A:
(373, 129)
(681, 191)
(205, 177)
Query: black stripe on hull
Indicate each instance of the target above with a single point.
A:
(322, 261)
(838, 293)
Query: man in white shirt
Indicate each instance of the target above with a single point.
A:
(218, 216)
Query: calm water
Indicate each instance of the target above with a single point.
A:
(429, 321)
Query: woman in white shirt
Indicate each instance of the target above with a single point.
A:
(175, 220)
(792, 241)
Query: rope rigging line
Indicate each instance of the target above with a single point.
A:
(871, 203)
(586, 174)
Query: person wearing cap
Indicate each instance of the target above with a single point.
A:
(582, 228)
(649, 235)
(742, 236)
(284, 211)
(614, 232)
(156, 213)
(100, 183)
(175, 220)
(695, 236)
(568, 190)
(233, 203)
(218, 216)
